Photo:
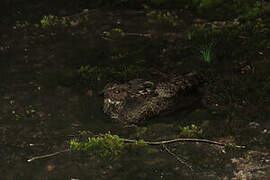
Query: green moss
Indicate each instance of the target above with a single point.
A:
(108, 146)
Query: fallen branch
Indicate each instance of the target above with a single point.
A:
(47, 155)
(130, 34)
(183, 140)
(163, 143)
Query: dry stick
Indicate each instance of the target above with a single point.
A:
(107, 39)
(139, 34)
(183, 140)
(149, 143)
(130, 34)
(47, 155)
(178, 158)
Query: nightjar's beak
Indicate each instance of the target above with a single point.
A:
(109, 101)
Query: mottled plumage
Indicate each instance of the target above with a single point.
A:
(138, 100)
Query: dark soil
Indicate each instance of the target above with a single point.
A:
(51, 76)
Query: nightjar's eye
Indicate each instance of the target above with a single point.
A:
(116, 91)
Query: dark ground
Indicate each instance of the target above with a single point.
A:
(51, 72)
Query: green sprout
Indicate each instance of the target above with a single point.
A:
(189, 35)
(207, 52)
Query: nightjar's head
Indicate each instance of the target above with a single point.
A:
(115, 94)
(120, 98)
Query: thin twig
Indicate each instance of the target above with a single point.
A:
(183, 140)
(178, 158)
(47, 155)
(139, 34)
(147, 142)
(108, 39)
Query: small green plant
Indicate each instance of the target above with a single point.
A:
(16, 115)
(107, 34)
(118, 31)
(30, 112)
(189, 35)
(106, 147)
(206, 52)
(21, 25)
(51, 21)
(191, 131)
(24, 114)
